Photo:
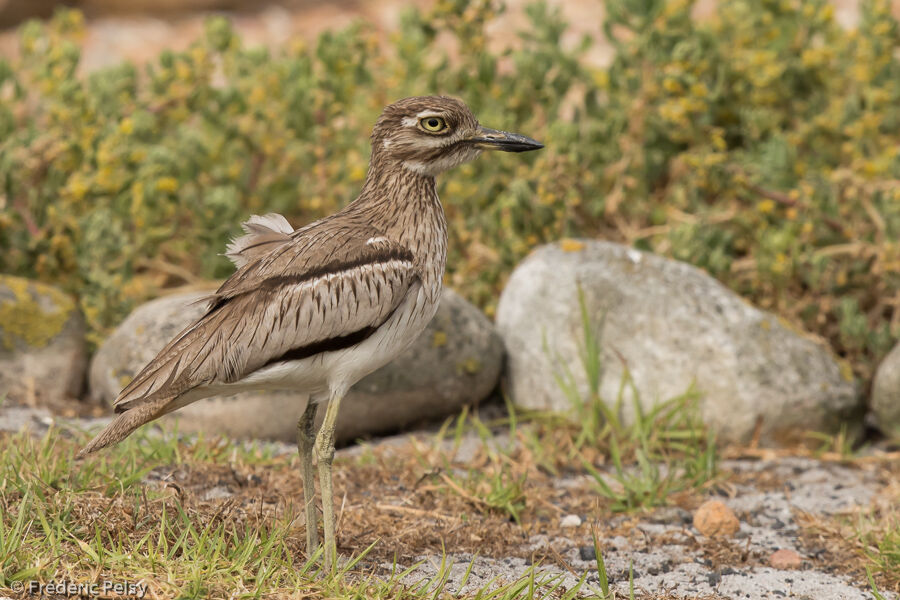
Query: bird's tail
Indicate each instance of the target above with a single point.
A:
(124, 423)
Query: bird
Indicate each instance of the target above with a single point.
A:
(316, 309)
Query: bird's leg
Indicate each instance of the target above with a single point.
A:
(325, 454)
(305, 440)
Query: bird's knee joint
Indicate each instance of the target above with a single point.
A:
(325, 447)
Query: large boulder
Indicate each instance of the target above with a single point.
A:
(672, 326)
(43, 357)
(886, 393)
(456, 361)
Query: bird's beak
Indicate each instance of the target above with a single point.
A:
(491, 139)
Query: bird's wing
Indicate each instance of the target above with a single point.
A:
(326, 286)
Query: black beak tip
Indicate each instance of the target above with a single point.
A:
(492, 139)
(520, 143)
(533, 145)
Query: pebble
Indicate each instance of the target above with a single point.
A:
(785, 559)
(714, 519)
(570, 521)
(219, 492)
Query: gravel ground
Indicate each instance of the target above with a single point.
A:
(668, 564)
(666, 555)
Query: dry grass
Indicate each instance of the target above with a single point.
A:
(866, 543)
(211, 517)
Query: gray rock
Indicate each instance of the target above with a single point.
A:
(886, 393)
(17, 419)
(672, 326)
(43, 357)
(457, 360)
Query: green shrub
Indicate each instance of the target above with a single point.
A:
(762, 144)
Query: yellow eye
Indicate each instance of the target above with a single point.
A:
(433, 124)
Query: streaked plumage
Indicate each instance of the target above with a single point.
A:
(320, 307)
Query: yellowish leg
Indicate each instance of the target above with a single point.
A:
(305, 441)
(325, 454)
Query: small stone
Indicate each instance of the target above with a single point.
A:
(570, 521)
(785, 559)
(219, 492)
(714, 519)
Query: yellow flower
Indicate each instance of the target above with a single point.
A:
(167, 184)
(257, 95)
(77, 187)
(841, 278)
(297, 46)
(882, 28)
(357, 173)
(105, 177)
(198, 54)
(699, 90)
(182, 70)
(861, 72)
(439, 340)
(570, 245)
(766, 206)
(672, 86)
(718, 139)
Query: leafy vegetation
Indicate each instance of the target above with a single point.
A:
(760, 144)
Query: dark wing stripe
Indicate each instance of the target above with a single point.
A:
(329, 345)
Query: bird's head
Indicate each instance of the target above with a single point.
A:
(430, 134)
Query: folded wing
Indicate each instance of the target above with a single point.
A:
(310, 291)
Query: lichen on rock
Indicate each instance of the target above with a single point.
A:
(43, 353)
(31, 313)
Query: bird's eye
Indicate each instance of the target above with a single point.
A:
(433, 124)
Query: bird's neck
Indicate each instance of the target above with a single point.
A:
(405, 206)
